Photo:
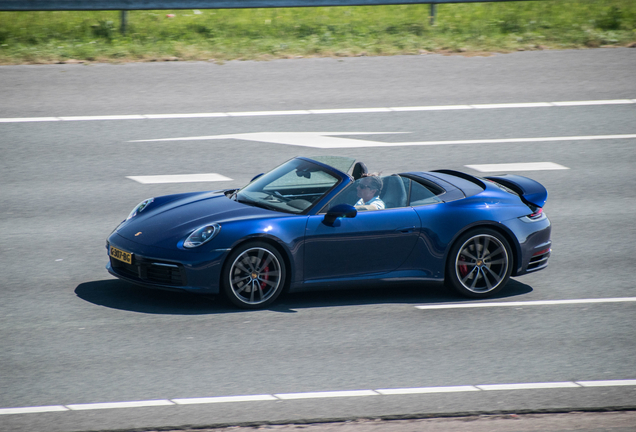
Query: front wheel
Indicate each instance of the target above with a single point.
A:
(254, 276)
(479, 264)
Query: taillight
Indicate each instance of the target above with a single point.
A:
(537, 214)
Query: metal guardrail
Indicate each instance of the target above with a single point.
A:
(76, 5)
(127, 5)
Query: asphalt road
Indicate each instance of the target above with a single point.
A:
(71, 334)
(569, 422)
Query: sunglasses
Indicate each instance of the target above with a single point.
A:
(363, 186)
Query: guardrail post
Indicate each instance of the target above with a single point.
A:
(433, 13)
(124, 22)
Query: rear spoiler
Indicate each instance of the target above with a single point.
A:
(530, 191)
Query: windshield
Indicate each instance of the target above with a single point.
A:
(292, 187)
(341, 163)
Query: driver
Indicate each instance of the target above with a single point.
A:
(369, 188)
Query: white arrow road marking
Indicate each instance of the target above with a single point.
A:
(329, 140)
(528, 166)
(323, 140)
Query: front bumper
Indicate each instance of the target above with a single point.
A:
(168, 270)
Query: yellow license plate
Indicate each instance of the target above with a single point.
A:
(121, 255)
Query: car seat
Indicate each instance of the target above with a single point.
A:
(393, 192)
(359, 169)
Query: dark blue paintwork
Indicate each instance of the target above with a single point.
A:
(410, 242)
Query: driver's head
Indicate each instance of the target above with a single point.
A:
(369, 187)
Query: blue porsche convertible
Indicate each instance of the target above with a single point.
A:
(310, 223)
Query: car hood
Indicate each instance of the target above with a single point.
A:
(165, 224)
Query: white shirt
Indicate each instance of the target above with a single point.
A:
(375, 201)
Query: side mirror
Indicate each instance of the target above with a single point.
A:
(339, 211)
(257, 176)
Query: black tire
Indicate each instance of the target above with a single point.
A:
(479, 263)
(254, 275)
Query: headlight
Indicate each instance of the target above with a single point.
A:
(140, 207)
(202, 235)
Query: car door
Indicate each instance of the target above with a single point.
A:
(372, 242)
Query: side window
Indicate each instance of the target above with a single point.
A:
(424, 194)
(347, 196)
(394, 193)
(359, 192)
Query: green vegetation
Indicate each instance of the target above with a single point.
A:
(476, 28)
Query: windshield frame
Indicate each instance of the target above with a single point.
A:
(245, 195)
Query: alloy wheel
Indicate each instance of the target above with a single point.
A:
(255, 276)
(482, 263)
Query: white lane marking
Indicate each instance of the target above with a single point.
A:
(319, 395)
(111, 405)
(180, 116)
(433, 108)
(607, 383)
(223, 399)
(33, 410)
(528, 166)
(105, 117)
(266, 113)
(29, 119)
(527, 303)
(512, 105)
(527, 386)
(328, 140)
(349, 110)
(179, 178)
(323, 111)
(596, 102)
(425, 390)
(327, 394)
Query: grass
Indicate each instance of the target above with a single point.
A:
(261, 34)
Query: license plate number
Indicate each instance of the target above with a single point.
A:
(121, 255)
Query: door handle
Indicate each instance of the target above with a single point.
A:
(406, 230)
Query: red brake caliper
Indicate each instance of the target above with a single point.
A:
(463, 268)
(265, 277)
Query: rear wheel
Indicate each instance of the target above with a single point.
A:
(479, 264)
(254, 276)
